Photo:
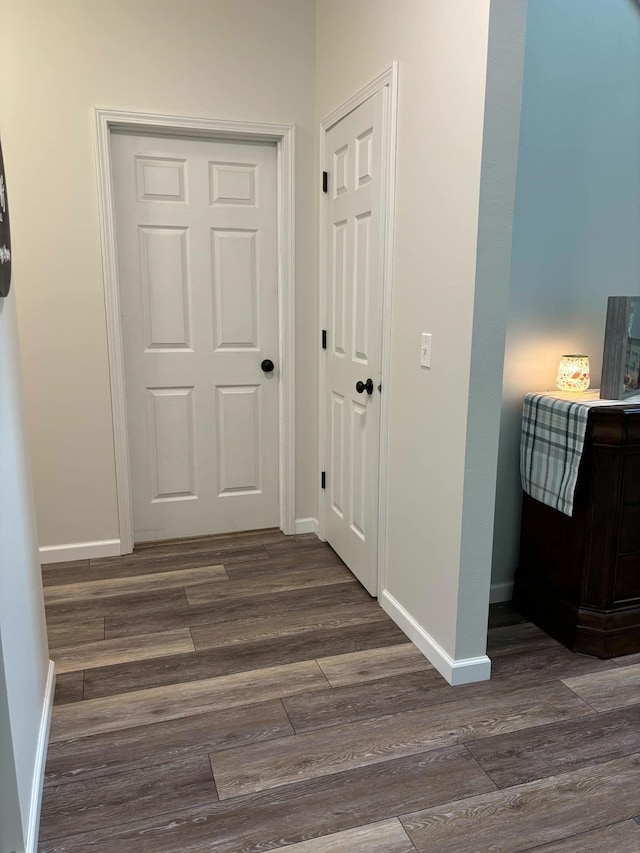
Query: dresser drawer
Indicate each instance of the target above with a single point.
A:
(631, 488)
(629, 540)
(627, 582)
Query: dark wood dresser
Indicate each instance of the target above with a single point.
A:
(579, 577)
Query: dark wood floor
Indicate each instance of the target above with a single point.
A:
(242, 694)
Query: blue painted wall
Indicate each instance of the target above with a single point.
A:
(576, 235)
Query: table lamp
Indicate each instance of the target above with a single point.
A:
(573, 373)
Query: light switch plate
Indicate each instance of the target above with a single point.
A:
(425, 349)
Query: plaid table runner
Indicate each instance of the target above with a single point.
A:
(553, 431)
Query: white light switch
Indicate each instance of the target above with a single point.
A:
(425, 349)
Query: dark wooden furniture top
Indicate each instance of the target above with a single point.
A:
(579, 577)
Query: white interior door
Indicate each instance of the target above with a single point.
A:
(197, 268)
(353, 258)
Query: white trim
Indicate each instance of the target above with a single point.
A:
(462, 671)
(286, 327)
(387, 80)
(284, 137)
(389, 77)
(307, 525)
(501, 592)
(391, 141)
(80, 551)
(37, 786)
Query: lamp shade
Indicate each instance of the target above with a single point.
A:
(573, 373)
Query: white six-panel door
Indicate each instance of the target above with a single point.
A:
(353, 263)
(197, 269)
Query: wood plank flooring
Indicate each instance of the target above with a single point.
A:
(243, 693)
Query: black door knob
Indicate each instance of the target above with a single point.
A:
(267, 365)
(365, 386)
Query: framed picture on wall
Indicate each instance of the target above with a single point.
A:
(5, 233)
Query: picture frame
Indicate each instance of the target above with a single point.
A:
(5, 234)
(632, 372)
(621, 354)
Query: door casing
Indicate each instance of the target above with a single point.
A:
(284, 137)
(388, 82)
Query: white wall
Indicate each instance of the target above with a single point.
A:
(256, 60)
(576, 234)
(247, 60)
(507, 28)
(11, 835)
(442, 51)
(23, 639)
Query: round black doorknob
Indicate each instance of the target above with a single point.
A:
(365, 386)
(267, 365)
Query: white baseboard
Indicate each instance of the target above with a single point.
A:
(501, 592)
(307, 525)
(80, 551)
(37, 785)
(463, 671)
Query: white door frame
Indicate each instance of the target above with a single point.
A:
(284, 136)
(387, 81)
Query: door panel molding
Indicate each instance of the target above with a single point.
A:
(388, 82)
(283, 135)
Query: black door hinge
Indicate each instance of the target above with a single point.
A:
(324, 339)
(323, 479)
(325, 182)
